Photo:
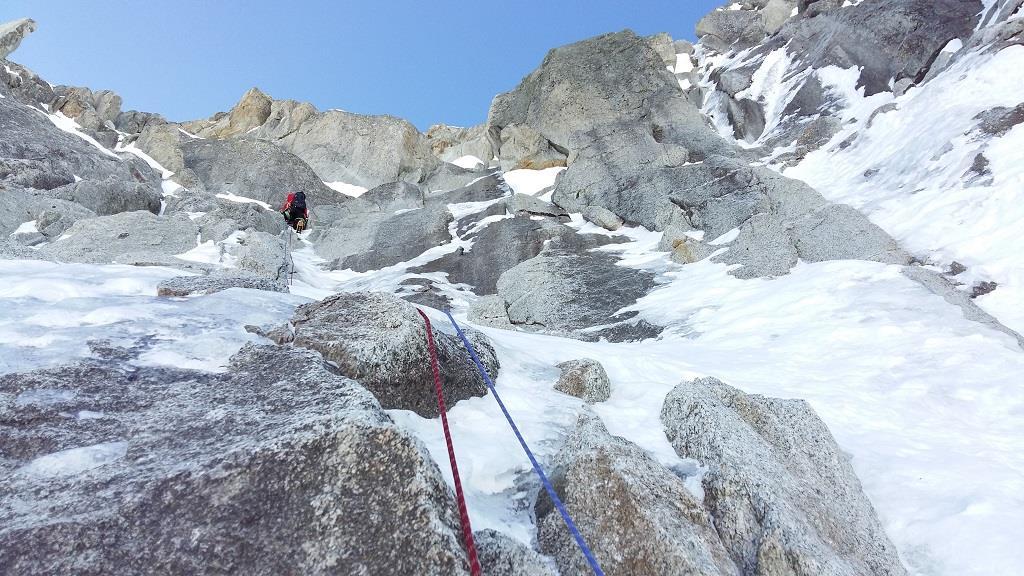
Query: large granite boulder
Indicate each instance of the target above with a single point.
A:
(636, 515)
(12, 33)
(501, 245)
(783, 497)
(122, 238)
(522, 147)
(373, 240)
(578, 294)
(277, 466)
(380, 340)
(228, 216)
(261, 254)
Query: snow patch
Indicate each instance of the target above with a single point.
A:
(532, 182)
(243, 200)
(76, 460)
(469, 162)
(70, 126)
(346, 188)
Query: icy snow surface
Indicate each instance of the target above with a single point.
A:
(49, 312)
(911, 172)
(533, 182)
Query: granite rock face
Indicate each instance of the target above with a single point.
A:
(380, 340)
(161, 471)
(636, 515)
(783, 497)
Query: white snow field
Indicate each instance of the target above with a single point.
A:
(921, 188)
(928, 404)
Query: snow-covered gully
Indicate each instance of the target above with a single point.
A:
(759, 313)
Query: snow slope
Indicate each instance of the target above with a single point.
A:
(910, 171)
(928, 404)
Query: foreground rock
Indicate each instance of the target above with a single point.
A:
(380, 340)
(278, 466)
(635, 514)
(188, 285)
(779, 220)
(580, 87)
(584, 378)
(892, 49)
(501, 555)
(339, 146)
(784, 498)
(12, 33)
(451, 143)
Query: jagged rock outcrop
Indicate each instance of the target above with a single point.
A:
(12, 33)
(585, 379)
(160, 469)
(380, 340)
(250, 113)
(451, 142)
(894, 47)
(636, 515)
(783, 497)
(664, 46)
(95, 112)
(743, 24)
(579, 87)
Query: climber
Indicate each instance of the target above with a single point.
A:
(295, 211)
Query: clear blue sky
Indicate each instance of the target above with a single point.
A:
(427, 61)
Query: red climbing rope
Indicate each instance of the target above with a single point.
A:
(467, 530)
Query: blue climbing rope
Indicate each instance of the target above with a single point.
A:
(536, 465)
